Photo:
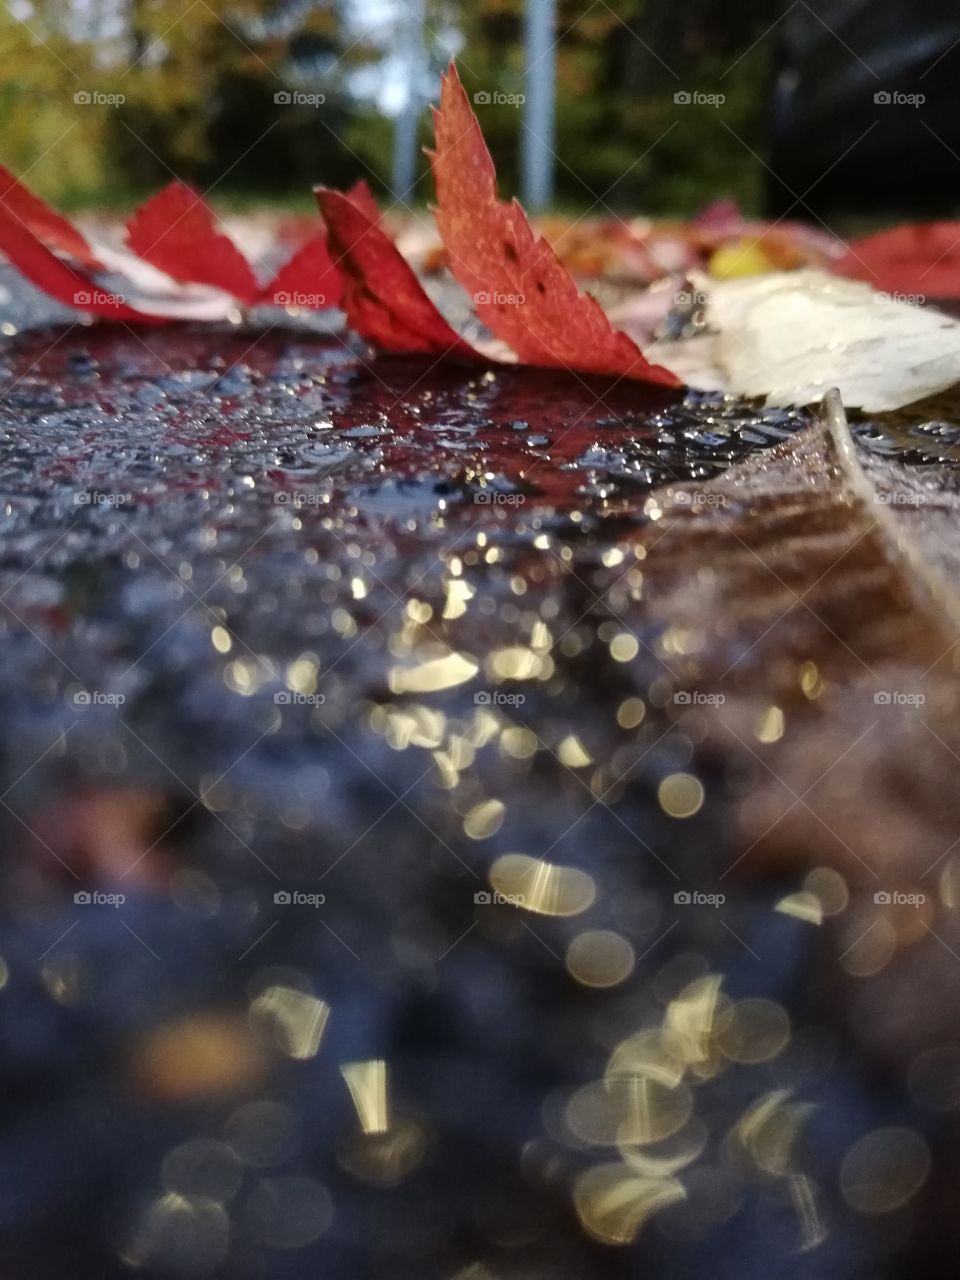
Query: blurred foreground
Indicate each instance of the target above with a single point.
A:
(428, 854)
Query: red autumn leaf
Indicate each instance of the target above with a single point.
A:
(362, 197)
(520, 289)
(382, 297)
(176, 233)
(311, 275)
(917, 258)
(50, 227)
(43, 268)
(309, 279)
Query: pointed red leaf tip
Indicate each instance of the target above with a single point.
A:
(51, 228)
(362, 197)
(519, 287)
(310, 278)
(33, 259)
(176, 233)
(382, 297)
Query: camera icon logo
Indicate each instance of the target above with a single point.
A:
(82, 98)
(282, 98)
(682, 898)
(81, 698)
(882, 898)
(682, 98)
(882, 98)
(82, 898)
(282, 898)
(682, 699)
(483, 498)
(882, 698)
(283, 697)
(281, 499)
(282, 299)
(481, 299)
(482, 98)
(482, 699)
(483, 898)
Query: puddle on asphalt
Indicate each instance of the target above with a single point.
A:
(281, 620)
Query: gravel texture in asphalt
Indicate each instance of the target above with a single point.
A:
(369, 799)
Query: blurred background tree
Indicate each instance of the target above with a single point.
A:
(200, 80)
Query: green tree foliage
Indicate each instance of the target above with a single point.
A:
(199, 83)
(46, 139)
(184, 88)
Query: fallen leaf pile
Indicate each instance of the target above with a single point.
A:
(777, 324)
(638, 251)
(176, 264)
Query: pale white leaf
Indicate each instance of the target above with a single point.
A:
(790, 336)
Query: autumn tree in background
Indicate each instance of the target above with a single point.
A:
(198, 85)
(200, 82)
(45, 138)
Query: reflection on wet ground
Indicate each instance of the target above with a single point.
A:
(451, 829)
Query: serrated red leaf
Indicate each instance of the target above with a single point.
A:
(177, 233)
(382, 297)
(56, 278)
(921, 258)
(50, 227)
(518, 285)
